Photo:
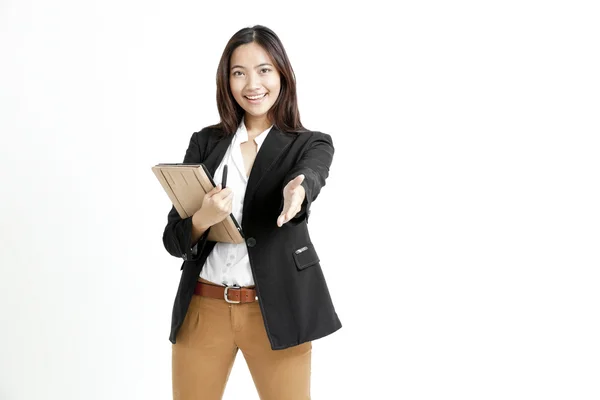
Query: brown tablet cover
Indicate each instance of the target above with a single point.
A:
(186, 185)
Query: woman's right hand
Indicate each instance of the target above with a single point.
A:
(216, 206)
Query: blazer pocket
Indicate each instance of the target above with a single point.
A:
(305, 256)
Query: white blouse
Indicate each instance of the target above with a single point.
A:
(228, 263)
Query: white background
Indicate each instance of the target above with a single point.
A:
(465, 267)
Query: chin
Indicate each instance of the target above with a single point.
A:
(254, 113)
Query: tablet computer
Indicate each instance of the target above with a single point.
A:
(186, 185)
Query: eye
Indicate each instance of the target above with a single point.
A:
(235, 72)
(266, 69)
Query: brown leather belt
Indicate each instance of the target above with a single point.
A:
(228, 293)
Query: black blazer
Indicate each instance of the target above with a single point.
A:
(293, 295)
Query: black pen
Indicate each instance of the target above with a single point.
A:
(224, 179)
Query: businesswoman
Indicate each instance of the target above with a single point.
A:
(266, 297)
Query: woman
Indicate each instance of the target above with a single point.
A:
(266, 297)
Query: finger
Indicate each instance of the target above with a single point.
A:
(214, 191)
(298, 193)
(281, 220)
(287, 214)
(223, 193)
(226, 203)
(292, 213)
(295, 202)
(286, 208)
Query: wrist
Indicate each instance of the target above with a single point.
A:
(199, 222)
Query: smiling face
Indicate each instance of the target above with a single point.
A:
(253, 79)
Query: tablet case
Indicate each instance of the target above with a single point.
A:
(186, 185)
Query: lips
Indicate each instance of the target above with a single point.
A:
(256, 97)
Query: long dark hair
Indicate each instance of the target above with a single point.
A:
(284, 113)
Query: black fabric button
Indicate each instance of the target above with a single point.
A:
(251, 242)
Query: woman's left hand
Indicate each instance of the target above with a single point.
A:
(293, 197)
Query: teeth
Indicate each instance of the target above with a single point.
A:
(256, 97)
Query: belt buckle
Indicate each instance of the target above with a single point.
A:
(227, 299)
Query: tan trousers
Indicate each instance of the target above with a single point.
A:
(207, 344)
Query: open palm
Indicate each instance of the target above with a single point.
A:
(293, 197)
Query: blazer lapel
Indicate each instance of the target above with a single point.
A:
(270, 151)
(215, 156)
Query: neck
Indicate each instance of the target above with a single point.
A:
(256, 125)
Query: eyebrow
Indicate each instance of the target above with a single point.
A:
(259, 65)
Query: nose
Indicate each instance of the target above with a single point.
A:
(253, 81)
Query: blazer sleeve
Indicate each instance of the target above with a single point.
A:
(314, 163)
(177, 235)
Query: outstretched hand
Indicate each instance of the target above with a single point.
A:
(293, 197)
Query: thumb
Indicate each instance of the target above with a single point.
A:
(280, 220)
(294, 183)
